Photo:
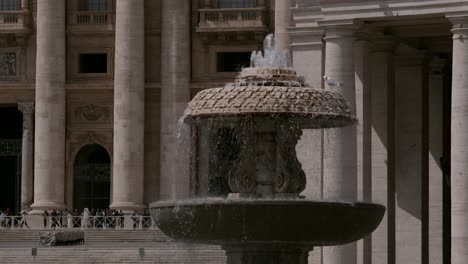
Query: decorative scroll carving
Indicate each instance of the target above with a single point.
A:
(241, 177)
(7, 65)
(26, 108)
(92, 113)
(290, 177)
(267, 163)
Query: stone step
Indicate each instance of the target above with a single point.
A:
(31, 236)
(159, 253)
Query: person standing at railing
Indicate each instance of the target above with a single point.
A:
(2, 218)
(85, 218)
(69, 220)
(135, 219)
(45, 217)
(22, 219)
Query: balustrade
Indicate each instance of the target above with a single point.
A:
(97, 18)
(91, 222)
(13, 20)
(223, 18)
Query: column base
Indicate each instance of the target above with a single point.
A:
(38, 208)
(271, 253)
(127, 207)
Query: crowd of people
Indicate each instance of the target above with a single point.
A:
(99, 218)
(6, 219)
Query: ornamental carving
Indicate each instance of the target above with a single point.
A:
(26, 108)
(7, 65)
(92, 113)
(76, 140)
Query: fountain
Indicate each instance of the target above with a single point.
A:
(264, 219)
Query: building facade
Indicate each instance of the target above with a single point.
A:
(91, 92)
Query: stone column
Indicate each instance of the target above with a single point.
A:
(382, 138)
(435, 181)
(282, 22)
(340, 145)
(410, 155)
(362, 69)
(25, 5)
(175, 94)
(49, 156)
(27, 155)
(129, 105)
(459, 145)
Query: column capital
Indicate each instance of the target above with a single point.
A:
(340, 28)
(26, 107)
(306, 37)
(459, 22)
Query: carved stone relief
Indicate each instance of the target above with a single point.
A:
(92, 113)
(8, 66)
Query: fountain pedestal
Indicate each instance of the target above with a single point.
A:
(268, 253)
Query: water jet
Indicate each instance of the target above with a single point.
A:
(264, 219)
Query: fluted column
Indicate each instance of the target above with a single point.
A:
(282, 22)
(129, 103)
(49, 157)
(340, 144)
(459, 144)
(27, 155)
(175, 93)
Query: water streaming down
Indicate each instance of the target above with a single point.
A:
(262, 218)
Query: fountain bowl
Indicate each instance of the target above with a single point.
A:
(286, 221)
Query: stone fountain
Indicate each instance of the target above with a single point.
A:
(264, 219)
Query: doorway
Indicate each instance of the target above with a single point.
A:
(10, 158)
(91, 178)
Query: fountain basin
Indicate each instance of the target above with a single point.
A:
(286, 221)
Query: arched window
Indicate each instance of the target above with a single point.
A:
(236, 3)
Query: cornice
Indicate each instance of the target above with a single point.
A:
(336, 12)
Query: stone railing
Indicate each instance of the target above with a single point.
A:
(13, 20)
(91, 222)
(225, 18)
(96, 19)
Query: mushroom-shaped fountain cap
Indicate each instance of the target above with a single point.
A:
(271, 88)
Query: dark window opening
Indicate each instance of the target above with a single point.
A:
(93, 5)
(8, 5)
(232, 61)
(93, 63)
(236, 3)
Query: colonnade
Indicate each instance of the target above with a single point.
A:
(129, 101)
